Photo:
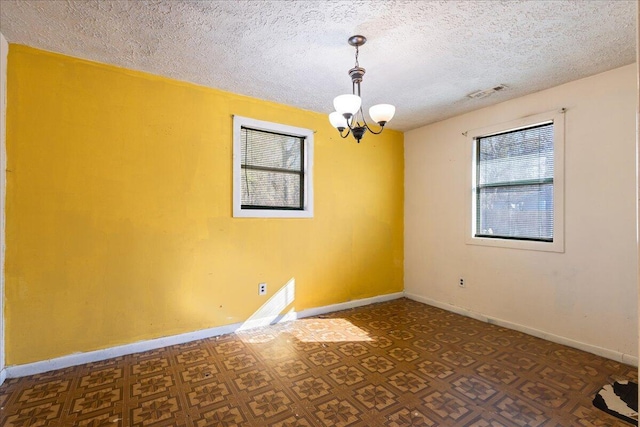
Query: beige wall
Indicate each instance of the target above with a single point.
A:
(586, 296)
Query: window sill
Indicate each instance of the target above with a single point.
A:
(271, 213)
(556, 246)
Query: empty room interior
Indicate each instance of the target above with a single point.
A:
(319, 213)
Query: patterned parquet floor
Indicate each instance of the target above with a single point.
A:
(399, 363)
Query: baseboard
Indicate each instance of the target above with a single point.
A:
(599, 351)
(347, 305)
(3, 375)
(140, 346)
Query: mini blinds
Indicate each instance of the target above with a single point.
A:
(272, 167)
(514, 184)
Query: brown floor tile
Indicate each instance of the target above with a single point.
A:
(396, 364)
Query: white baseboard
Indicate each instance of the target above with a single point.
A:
(349, 304)
(3, 375)
(140, 346)
(599, 351)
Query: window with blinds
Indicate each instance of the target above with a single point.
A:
(272, 174)
(272, 170)
(514, 184)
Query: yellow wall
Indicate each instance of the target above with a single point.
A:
(119, 222)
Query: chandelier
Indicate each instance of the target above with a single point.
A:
(348, 115)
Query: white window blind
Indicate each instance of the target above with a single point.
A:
(272, 175)
(514, 184)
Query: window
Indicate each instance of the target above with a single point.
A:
(271, 170)
(517, 196)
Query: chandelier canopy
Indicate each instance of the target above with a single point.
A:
(348, 115)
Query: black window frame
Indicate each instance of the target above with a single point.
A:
(300, 173)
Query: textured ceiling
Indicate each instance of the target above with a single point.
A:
(422, 56)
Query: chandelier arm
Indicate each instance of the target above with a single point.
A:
(349, 125)
(375, 133)
(354, 120)
(366, 125)
(346, 134)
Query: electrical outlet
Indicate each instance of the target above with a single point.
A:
(262, 289)
(461, 283)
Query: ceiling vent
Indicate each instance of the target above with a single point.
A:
(486, 92)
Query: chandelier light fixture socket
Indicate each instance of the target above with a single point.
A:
(348, 115)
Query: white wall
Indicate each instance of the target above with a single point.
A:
(4, 50)
(588, 295)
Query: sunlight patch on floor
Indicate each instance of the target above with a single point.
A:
(328, 330)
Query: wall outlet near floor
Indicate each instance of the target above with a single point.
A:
(461, 283)
(262, 289)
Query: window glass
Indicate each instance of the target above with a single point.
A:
(514, 191)
(272, 175)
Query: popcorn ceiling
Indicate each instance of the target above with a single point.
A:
(422, 56)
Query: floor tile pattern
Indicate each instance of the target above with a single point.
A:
(396, 364)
